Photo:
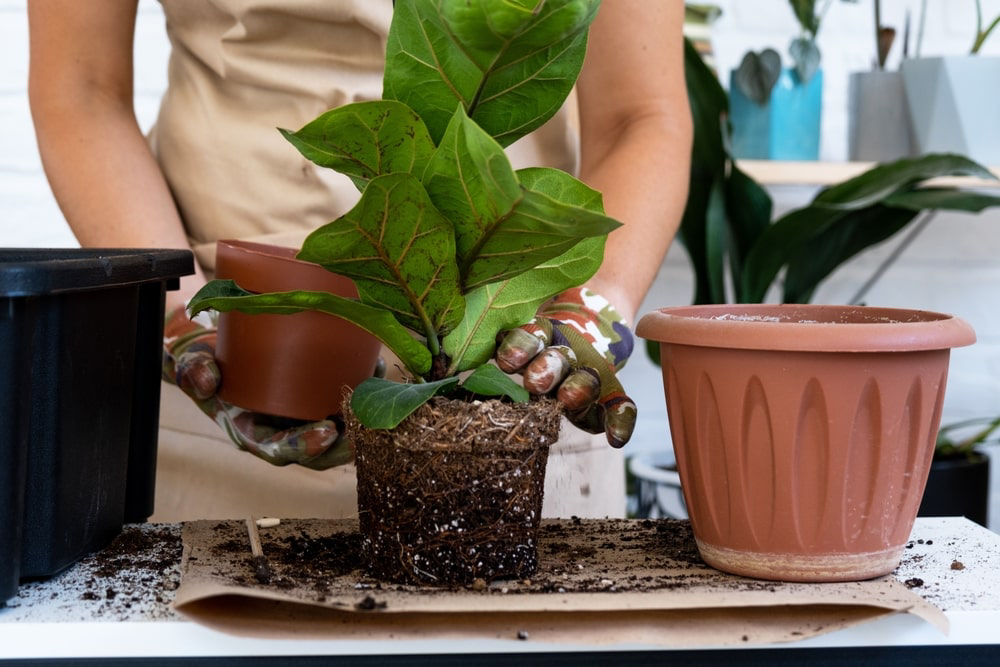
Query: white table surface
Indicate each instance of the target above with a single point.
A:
(952, 562)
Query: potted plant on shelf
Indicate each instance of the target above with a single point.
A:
(879, 126)
(763, 464)
(447, 247)
(948, 107)
(776, 110)
(959, 479)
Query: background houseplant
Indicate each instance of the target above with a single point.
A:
(448, 246)
(959, 480)
(776, 110)
(879, 126)
(739, 254)
(950, 106)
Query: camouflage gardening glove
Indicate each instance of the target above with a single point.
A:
(189, 362)
(573, 348)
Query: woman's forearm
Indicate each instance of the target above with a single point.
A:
(636, 138)
(101, 170)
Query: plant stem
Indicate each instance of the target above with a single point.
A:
(878, 35)
(981, 34)
(920, 28)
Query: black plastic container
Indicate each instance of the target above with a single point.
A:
(81, 335)
(958, 486)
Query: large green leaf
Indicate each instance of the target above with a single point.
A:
(748, 211)
(383, 404)
(817, 257)
(852, 216)
(226, 295)
(470, 180)
(516, 63)
(716, 242)
(948, 199)
(400, 252)
(777, 245)
(881, 181)
(503, 228)
(500, 306)
(366, 139)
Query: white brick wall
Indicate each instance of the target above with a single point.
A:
(951, 267)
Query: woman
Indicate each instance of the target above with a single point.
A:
(215, 167)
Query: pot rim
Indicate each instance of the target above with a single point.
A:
(270, 251)
(806, 327)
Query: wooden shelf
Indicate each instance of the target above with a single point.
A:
(774, 172)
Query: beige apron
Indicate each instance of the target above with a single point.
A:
(240, 69)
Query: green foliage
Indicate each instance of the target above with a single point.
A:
(739, 254)
(448, 245)
(955, 440)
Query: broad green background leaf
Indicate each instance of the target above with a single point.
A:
(366, 139)
(509, 94)
(886, 179)
(943, 198)
(226, 295)
(488, 380)
(381, 403)
(400, 252)
(777, 246)
(828, 248)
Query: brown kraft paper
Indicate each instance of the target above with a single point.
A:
(599, 582)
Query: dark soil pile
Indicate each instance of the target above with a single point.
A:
(454, 494)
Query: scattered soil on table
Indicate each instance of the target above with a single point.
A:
(133, 578)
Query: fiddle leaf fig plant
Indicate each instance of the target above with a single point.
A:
(448, 244)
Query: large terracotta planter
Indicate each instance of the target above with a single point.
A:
(287, 365)
(803, 433)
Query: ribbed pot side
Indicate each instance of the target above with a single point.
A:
(803, 434)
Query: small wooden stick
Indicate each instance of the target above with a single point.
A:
(262, 568)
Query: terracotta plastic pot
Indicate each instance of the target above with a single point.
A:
(803, 433)
(287, 365)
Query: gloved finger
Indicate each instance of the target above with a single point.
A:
(516, 350)
(340, 452)
(379, 371)
(620, 415)
(580, 390)
(614, 416)
(196, 371)
(306, 444)
(546, 371)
